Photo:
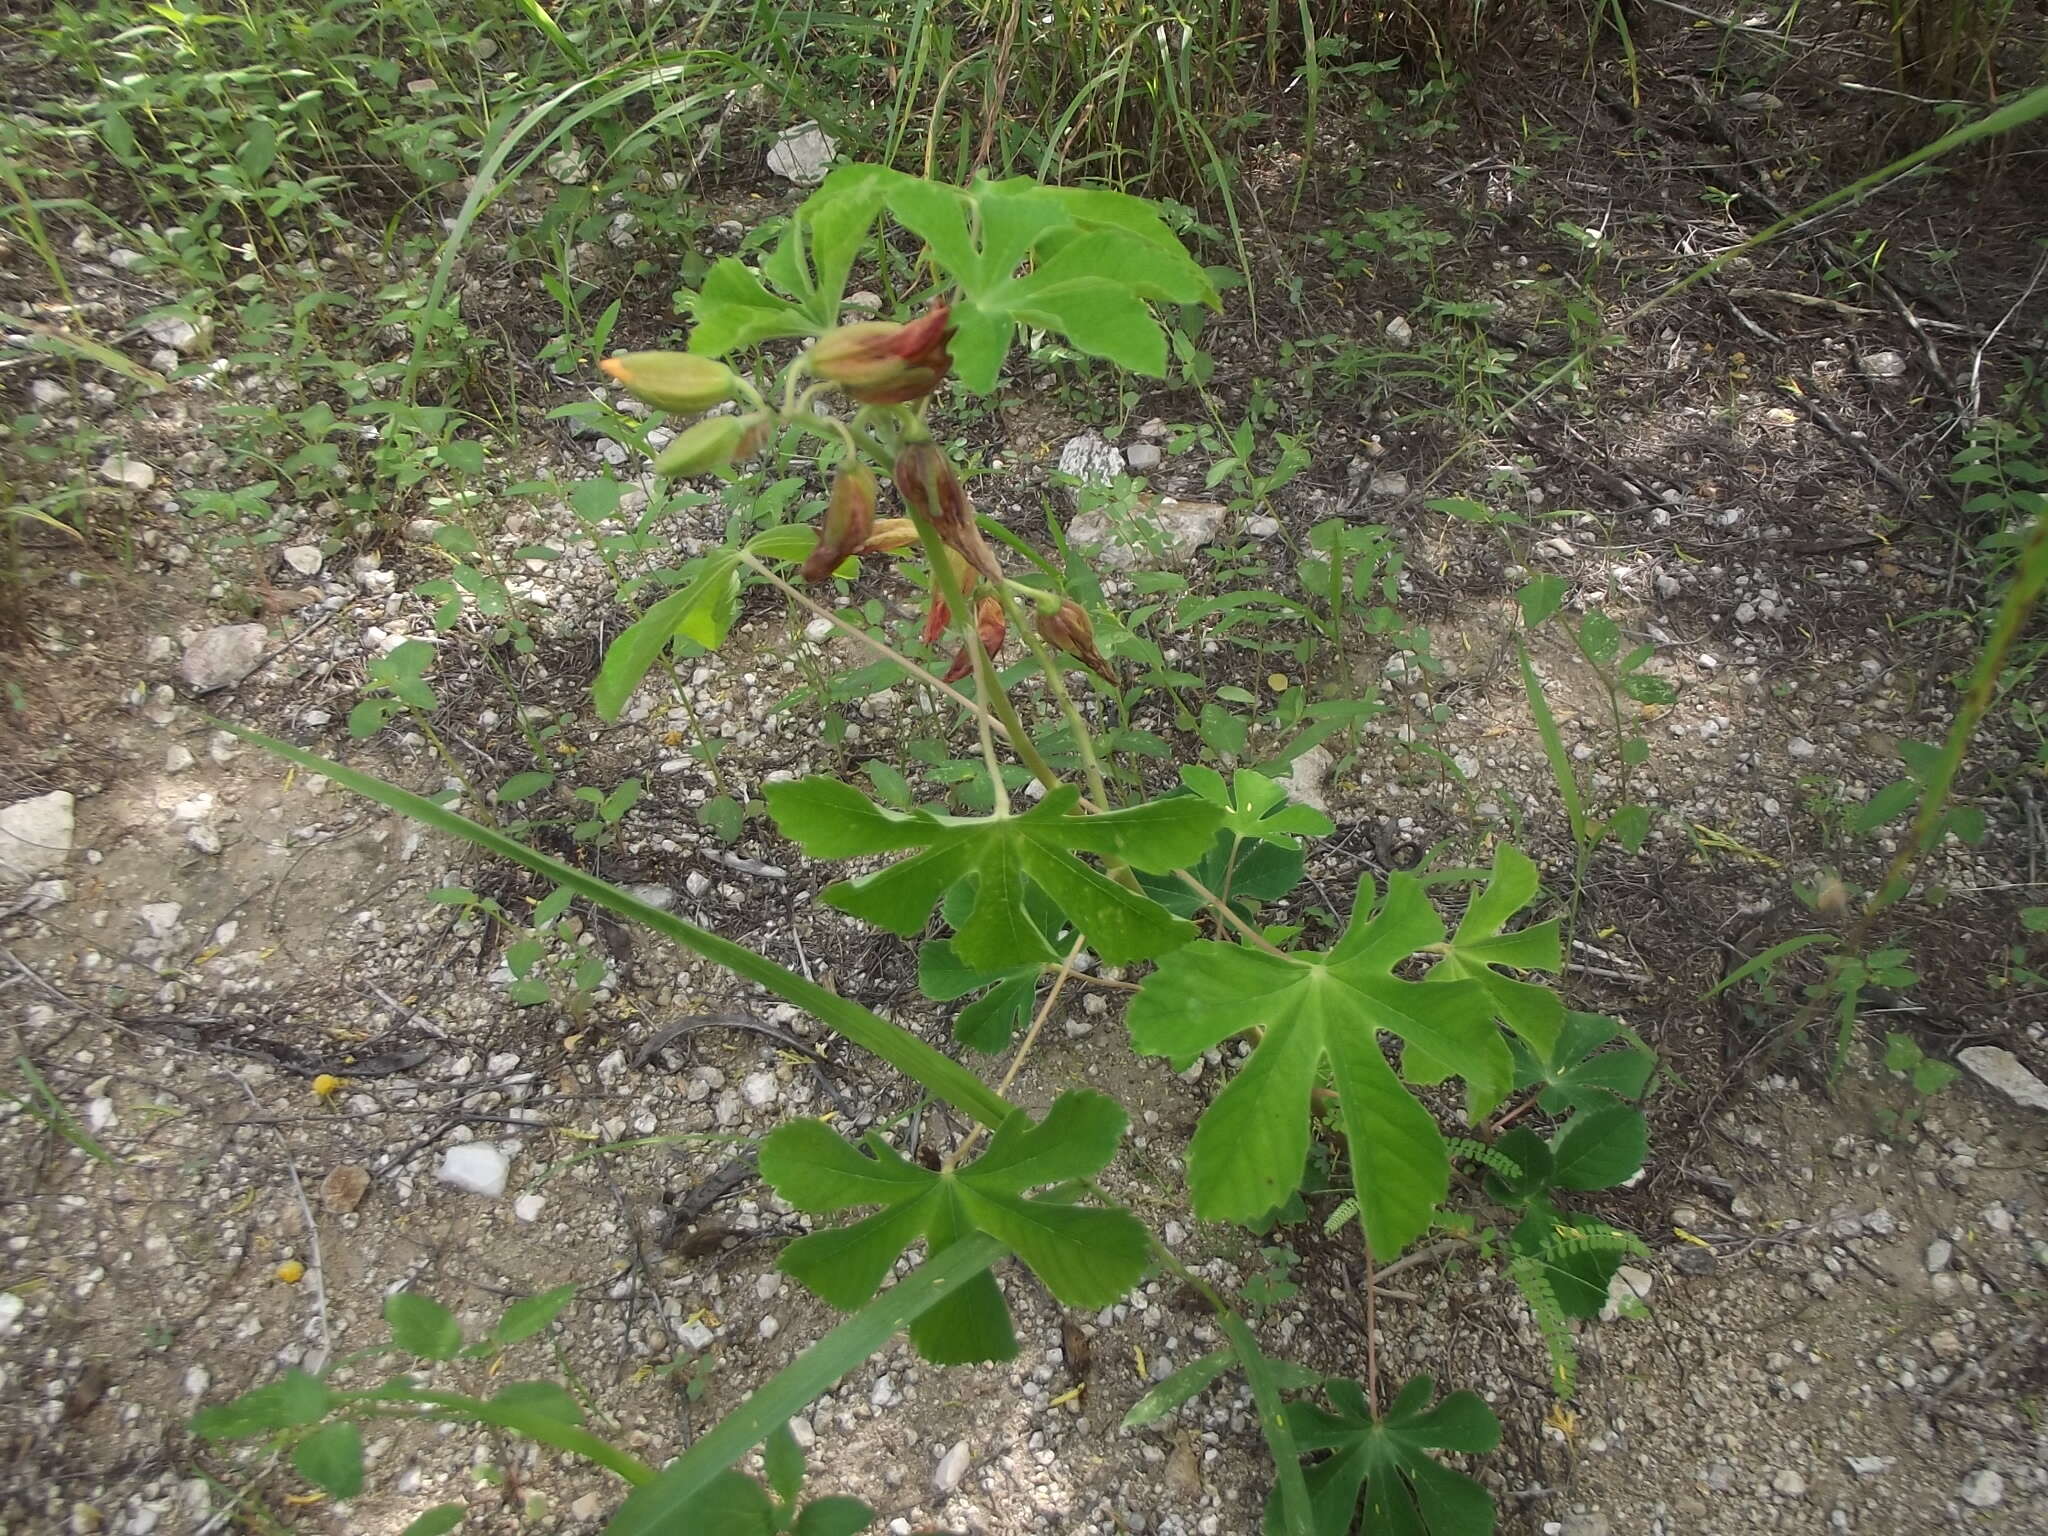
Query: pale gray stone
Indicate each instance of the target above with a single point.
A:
(35, 838)
(802, 154)
(222, 657)
(2002, 1070)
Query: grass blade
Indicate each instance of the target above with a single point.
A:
(1766, 960)
(49, 1109)
(937, 1073)
(663, 1505)
(1553, 748)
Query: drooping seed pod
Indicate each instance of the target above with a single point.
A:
(879, 362)
(990, 626)
(681, 382)
(931, 487)
(1069, 629)
(849, 520)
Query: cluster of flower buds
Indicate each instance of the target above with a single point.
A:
(684, 384)
(879, 362)
(876, 363)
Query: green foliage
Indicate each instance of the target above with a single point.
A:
(1005, 856)
(1386, 1463)
(1256, 856)
(1086, 1257)
(700, 611)
(1252, 1142)
(397, 683)
(422, 1326)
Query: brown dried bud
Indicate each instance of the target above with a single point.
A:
(938, 615)
(1069, 629)
(990, 626)
(931, 487)
(849, 519)
(879, 362)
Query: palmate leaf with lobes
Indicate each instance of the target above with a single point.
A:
(1086, 1256)
(1003, 855)
(1313, 1010)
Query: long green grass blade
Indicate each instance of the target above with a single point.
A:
(663, 1506)
(49, 1109)
(552, 30)
(539, 1427)
(1766, 960)
(937, 1073)
(1553, 748)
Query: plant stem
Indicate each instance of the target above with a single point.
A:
(2030, 577)
(441, 751)
(1052, 997)
(1011, 731)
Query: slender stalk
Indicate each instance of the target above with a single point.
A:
(1011, 731)
(2030, 577)
(1048, 661)
(1052, 997)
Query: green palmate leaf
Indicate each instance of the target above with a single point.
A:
(819, 243)
(1600, 1147)
(332, 1458)
(732, 309)
(1006, 856)
(836, 1515)
(659, 1508)
(990, 1020)
(1086, 1257)
(1483, 952)
(1255, 806)
(1388, 1462)
(1582, 1073)
(421, 1326)
(1084, 264)
(702, 611)
(1251, 1147)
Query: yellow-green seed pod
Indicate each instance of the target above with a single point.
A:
(709, 445)
(681, 382)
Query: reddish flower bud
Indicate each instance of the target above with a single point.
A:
(879, 362)
(932, 488)
(1069, 629)
(989, 624)
(890, 534)
(849, 519)
(936, 618)
(672, 381)
(938, 615)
